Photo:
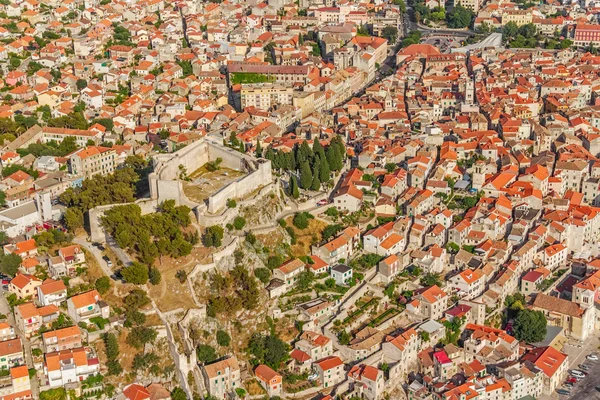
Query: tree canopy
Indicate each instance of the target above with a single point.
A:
(459, 17)
(269, 350)
(530, 326)
(150, 235)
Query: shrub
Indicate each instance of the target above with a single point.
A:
(231, 203)
(239, 223)
(301, 220)
(154, 276)
(223, 338)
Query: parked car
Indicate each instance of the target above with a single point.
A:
(578, 374)
(322, 202)
(109, 263)
(563, 392)
(584, 367)
(572, 380)
(592, 357)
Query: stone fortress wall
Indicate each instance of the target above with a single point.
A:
(165, 183)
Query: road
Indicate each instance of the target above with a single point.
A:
(97, 254)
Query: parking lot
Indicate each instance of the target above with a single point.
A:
(586, 388)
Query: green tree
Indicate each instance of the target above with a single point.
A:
(316, 181)
(136, 273)
(205, 353)
(81, 84)
(431, 279)
(305, 175)
(73, 219)
(136, 299)
(213, 236)
(269, 350)
(178, 394)
(10, 263)
(530, 326)
(154, 276)
(459, 17)
(390, 33)
(263, 275)
(300, 220)
(305, 280)
(102, 285)
(344, 337)
(140, 335)
(239, 223)
(223, 338)
(111, 346)
(509, 31)
(295, 193)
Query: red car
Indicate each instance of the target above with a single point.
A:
(572, 380)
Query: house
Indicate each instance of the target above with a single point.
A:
(330, 371)
(7, 332)
(403, 348)
(289, 271)
(429, 302)
(315, 345)
(349, 197)
(340, 248)
(552, 362)
(342, 274)
(554, 256)
(11, 354)
(66, 262)
(135, 391)
(93, 160)
(23, 249)
(270, 380)
(62, 339)
(24, 286)
(468, 284)
(367, 381)
(51, 292)
(20, 384)
(87, 305)
(30, 318)
(318, 266)
(69, 366)
(222, 377)
(389, 267)
(530, 282)
(488, 345)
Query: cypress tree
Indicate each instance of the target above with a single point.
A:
(294, 188)
(316, 182)
(318, 149)
(324, 170)
(333, 158)
(258, 149)
(305, 175)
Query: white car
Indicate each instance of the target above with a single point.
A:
(592, 357)
(577, 373)
(109, 263)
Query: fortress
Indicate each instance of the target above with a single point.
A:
(166, 181)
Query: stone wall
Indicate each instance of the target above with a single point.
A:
(165, 184)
